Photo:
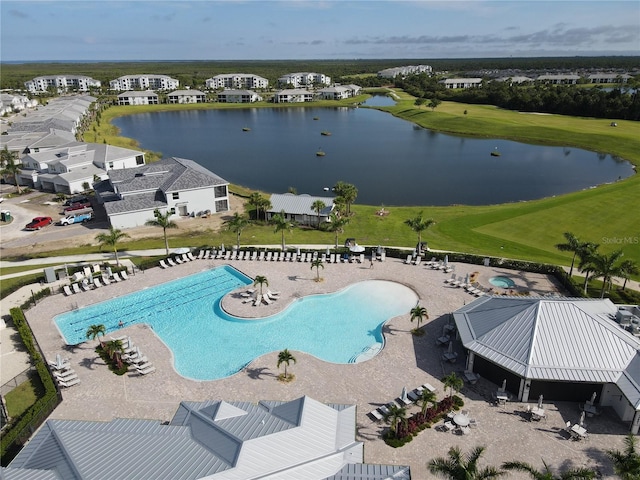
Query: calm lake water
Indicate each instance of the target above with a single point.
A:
(390, 161)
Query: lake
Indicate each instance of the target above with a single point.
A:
(390, 161)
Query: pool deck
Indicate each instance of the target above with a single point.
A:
(406, 361)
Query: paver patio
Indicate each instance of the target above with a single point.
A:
(405, 361)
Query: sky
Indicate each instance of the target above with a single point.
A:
(314, 29)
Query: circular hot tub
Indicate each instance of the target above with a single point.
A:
(502, 282)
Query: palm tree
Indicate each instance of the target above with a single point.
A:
(9, 166)
(462, 467)
(453, 382)
(281, 224)
(317, 264)
(419, 224)
(94, 331)
(547, 474)
(337, 224)
(427, 397)
(585, 264)
(347, 192)
(605, 266)
(114, 349)
(259, 202)
(318, 206)
(394, 417)
(264, 205)
(572, 245)
(285, 357)
(236, 224)
(628, 268)
(626, 464)
(163, 221)
(111, 239)
(260, 280)
(419, 313)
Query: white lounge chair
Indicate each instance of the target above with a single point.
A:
(201, 255)
(178, 260)
(116, 277)
(96, 268)
(106, 280)
(254, 255)
(163, 264)
(85, 285)
(417, 260)
(170, 262)
(70, 383)
(124, 275)
(186, 258)
(76, 288)
(227, 255)
(408, 260)
(70, 375)
(67, 290)
(450, 280)
(261, 255)
(266, 299)
(376, 414)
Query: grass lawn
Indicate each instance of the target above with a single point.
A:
(608, 215)
(23, 396)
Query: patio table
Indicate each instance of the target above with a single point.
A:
(537, 413)
(461, 420)
(580, 432)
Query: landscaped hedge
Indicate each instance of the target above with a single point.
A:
(21, 428)
(417, 422)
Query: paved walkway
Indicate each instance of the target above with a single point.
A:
(406, 361)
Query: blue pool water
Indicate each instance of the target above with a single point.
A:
(502, 282)
(208, 344)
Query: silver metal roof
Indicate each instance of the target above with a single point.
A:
(562, 339)
(299, 439)
(299, 204)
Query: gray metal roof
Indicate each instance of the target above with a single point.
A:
(562, 339)
(364, 471)
(299, 439)
(137, 93)
(298, 204)
(28, 474)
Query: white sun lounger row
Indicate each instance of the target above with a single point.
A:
(98, 282)
(66, 377)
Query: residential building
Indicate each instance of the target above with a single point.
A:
(515, 80)
(238, 96)
(270, 440)
(61, 113)
(144, 82)
(302, 79)
(559, 79)
(297, 95)
(181, 186)
(10, 103)
(462, 82)
(69, 168)
(237, 81)
(404, 71)
(562, 348)
(609, 78)
(339, 92)
(187, 96)
(146, 97)
(59, 83)
(299, 208)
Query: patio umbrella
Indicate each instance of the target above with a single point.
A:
(593, 397)
(356, 248)
(504, 385)
(540, 401)
(298, 251)
(403, 396)
(581, 421)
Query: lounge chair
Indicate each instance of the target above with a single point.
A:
(376, 415)
(200, 254)
(282, 257)
(450, 280)
(69, 376)
(67, 290)
(116, 277)
(361, 258)
(266, 299)
(408, 260)
(227, 255)
(448, 426)
(147, 370)
(213, 254)
(186, 258)
(70, 383)
(85, 285)
(261, 255)
(96, 268)
(417, 260)
(124, 275)
(76, 288)
(178, 260)
(106, 280)
(163, 264)
(254, 255)
(287, 257)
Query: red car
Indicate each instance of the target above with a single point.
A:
(38, 222)
(77, 206)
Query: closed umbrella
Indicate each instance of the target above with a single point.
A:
(58, 361)
(540, 401)
(581, 421)
(466, 279)
(593, 397)
(403, 396)
(450, 349)
(446, 260)
(504, 385)
(328, 251)
(222, 248)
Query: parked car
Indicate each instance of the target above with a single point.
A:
(76, 199)
(38, 222)
(78, 217)
(77, 206)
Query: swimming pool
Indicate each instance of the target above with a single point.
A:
(502, 282)
(208, 344)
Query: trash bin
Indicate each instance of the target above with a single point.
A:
(5, 216)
